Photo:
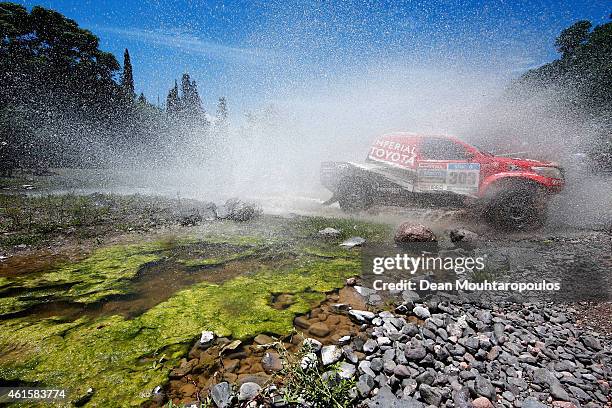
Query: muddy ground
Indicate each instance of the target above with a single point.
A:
(112, 286)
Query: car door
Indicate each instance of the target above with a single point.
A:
(445, 165)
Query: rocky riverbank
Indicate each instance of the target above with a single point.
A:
(446, 351)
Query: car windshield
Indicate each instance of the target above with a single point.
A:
(486, 153)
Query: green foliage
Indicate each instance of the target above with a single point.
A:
(310, 384)
(582, 78)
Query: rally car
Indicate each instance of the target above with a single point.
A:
(407, 168)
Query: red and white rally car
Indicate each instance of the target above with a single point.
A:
(407, 168)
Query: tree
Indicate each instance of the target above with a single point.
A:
(573, 37)
(222, 109)
(127, 78)
(172, 100)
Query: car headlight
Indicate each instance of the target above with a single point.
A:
(551, 172)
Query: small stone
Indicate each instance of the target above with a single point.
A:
(302, 322)
(319, 329)
(353, 242)
(370, 346)
(361, 316)
(365, 384)
(421, 312)
(248, 391)
(222, 395)
(346, 370)
(330, 354)
(430, 395)
(207, 338)
(271, 362)
(312, 344)
(262, 339)
(329, 233)
(482, 402)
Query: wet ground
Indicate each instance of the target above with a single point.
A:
(132, 325)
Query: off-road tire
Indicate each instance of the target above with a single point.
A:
(354, 194)
(521, 207)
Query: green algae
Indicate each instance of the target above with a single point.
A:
(123, 358)
(107, 353)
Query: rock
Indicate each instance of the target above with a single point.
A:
(363, 291)
(484, 388)
(591, 342)
(376, 364)
(482, 402)
(262, 339)
(421, 312)
(463, 235)
(222, 395)
(351, 281)
(531, 403)
(330, 354)
(353, 242)
(369, 346)
(415, 353)
(329, 233)
(271, 362)
(361, 316)
(365, 368)
(319, 329)
(430, 395)
(346, 370)
(248, 391)
(461, 397)
(308, 361)
(409, 232)
(206, 339)
(401, 371)
(365, 383)
(312, 344)
(301, 322)
(558, 392)
(386, 399)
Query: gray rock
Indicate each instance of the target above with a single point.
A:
(558, 392)
(362, 316)
(364, 385)
(421, 312)
(386, 399)
(366, 368)
(376, 364)
(415, 352)
(312, 344)
(483, 387)
(329, 233)
(346, 370)
(353, 242)
(430, 395)
(369, 346)
(591, 342)
(532, 403)
(248, 391)
(222, 395)
(330, 354)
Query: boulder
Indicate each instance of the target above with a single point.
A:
(408, 232)
(222, 395)
(248, 391)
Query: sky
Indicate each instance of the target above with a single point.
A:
(253, 51)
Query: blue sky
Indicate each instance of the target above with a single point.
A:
(252, 50)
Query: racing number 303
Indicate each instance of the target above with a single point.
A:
(463, 178)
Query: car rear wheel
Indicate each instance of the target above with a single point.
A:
(354, 194)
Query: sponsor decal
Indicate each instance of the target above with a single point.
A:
(432, 176)
(393, 153)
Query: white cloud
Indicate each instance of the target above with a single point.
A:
(190, 43)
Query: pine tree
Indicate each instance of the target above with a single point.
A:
(222, 110)
(127, 78)
(172, 101)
